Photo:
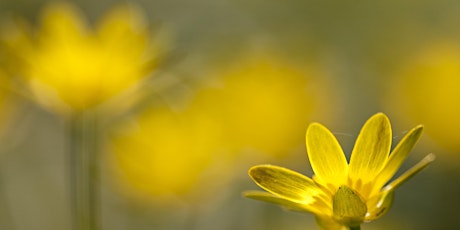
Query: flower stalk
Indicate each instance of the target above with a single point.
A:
(84, 159)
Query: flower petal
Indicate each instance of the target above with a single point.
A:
(370, 152)
(411, 172)
(124, 29)
(328, 223)
(285, 183)
(379, 205)
(63, 23)
(270, 198)
(397, 157)
(326, 156)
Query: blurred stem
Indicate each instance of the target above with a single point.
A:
(6, 216)
(356, 228)
(84, 159)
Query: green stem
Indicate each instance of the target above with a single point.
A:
(356, 228)
(84, 160)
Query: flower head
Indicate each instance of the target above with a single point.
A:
(342, 195)
(69, 65)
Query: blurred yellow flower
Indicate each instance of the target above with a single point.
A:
(70, 66)
(426, 90)
(165, 156)
(261, 99)
(342, 195)
(256, 105)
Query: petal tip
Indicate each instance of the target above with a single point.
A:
(255, 171)
(380, 116)
(313, 127)
(429, 158)
(419, 128)
(249, 193)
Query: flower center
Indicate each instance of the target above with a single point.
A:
(348, 207)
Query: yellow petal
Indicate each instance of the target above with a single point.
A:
(370, 152)
(129, 52)
(124, 29)
(270, 198)
(326, 156)
(285, 183)
(379, 205)
(397, 157)
(62, 22)
(328, 223)
(411, 172)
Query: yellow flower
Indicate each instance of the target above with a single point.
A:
(70, 66)
(342, 195)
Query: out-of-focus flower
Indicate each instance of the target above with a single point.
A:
(166, 156)
(426, 90)
(256, 105)
(342, 195)
(261, 99)
(70, 66)
(73, 69)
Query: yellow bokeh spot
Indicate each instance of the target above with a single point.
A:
(426, 91)
(265, 102)
(166, 155)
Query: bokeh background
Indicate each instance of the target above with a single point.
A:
(238, 85)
